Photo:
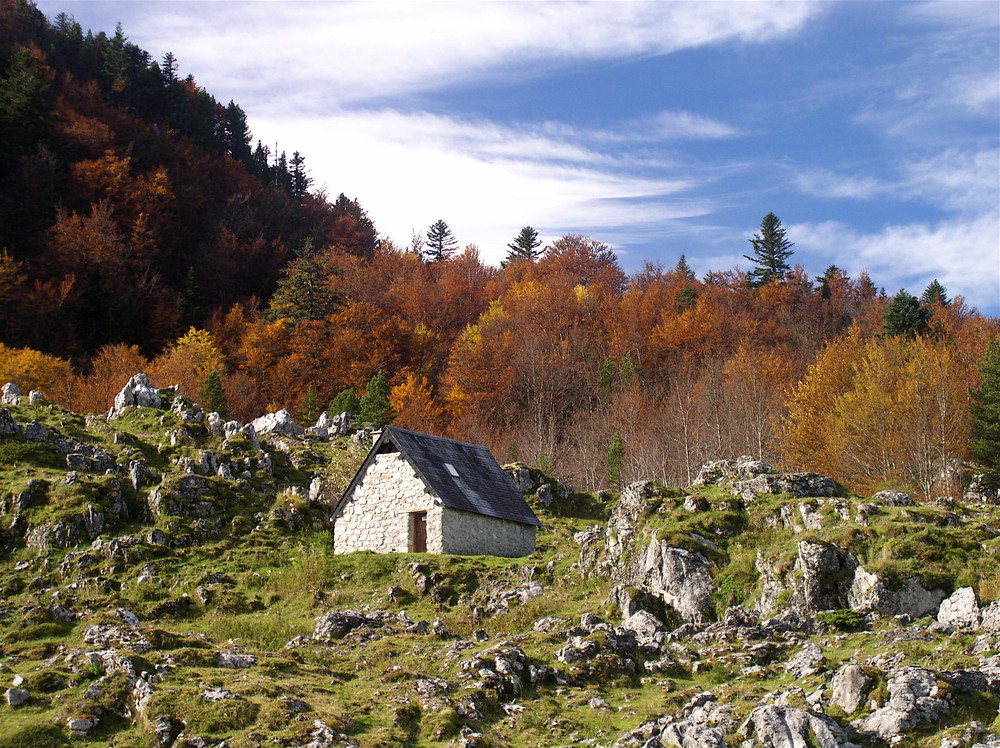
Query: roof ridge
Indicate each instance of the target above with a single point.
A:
(439, 438)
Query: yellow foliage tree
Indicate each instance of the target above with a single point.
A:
(31, 370)
(412, 400)
(188, 363)
(882, 412)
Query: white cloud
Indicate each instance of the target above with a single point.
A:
(962, 253)
(344, 52)
(484, 179)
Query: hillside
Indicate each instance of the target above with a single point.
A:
(167, 579)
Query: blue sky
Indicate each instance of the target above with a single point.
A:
(872, 129)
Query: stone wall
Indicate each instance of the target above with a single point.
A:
(378, 517)
(468, 534)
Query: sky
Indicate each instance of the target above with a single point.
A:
(871, 129)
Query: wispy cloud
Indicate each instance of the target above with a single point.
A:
(962, 253)
(363, 51)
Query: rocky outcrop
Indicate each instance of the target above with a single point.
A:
(10, 394)
(869, 593)
(850, 686)
(914, 697)
(679, 577)
(961, 610)
(776, 726)
(799, 485)
(138, 393)
(279, 423)
(328, 426)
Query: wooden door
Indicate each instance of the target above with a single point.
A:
(418, 532)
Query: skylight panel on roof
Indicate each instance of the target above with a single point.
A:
(451, 469)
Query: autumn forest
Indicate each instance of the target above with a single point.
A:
(143, 229)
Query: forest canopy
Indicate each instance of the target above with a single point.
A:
(142, 229)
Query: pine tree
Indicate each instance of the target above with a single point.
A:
(985, 410)
(905, 315)
(345, 402)
(299, 180)
(524, 247)
(627, 370)
(440, 242)
(303, 292)
(771, 251)
(213, 396)
(683, 269)
(935, 293)
(615, 461)
(310, 410)
(606, 374)
(374, 405)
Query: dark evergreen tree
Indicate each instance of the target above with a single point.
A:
(826, 279)
(299, 181)
(686, 298)
(310, 410)
(238, 135)
(524, 247)
(771, 251)
(627, 369)
(935, 293)
(985, 410)
(440, 242)
(213, 397)
(374, 405)
(303, 291)
(905, 315)
(345, 402)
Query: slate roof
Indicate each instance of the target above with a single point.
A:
(464, 476)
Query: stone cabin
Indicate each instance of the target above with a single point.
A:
(419, 493)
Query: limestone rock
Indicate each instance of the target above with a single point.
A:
(280, 423)
(892, 498)
(35, 397)
(10, 394)
(328, 426)
(869, 593)
(679, 577)
(138, 393)
(961, 610)
(991, 617)
(17, 696)
(8, 426)
(807, 661)
(234, 660)
(913, 698)
(776, 726)
(850, 688)
(800, 485)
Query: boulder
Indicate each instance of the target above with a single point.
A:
(679, 577)
(776, 726)
(138, 393)
(961, 610)
(990, 617)
(17, 696)
(10, 394)
(914, 697)
(8, 426)
(35, 397)
(892, 498)
(869, 594)
(850, 688)
(280, 423)
(328, 426)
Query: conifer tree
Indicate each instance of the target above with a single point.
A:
(374, 406)
(683, 269)
(303, 292)
(524, 247)
(771, 251)
(905, 315)
(213, 397)
(985, 410)
(345, 402)
(310, 409)
(440, 242)
(935, 293)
